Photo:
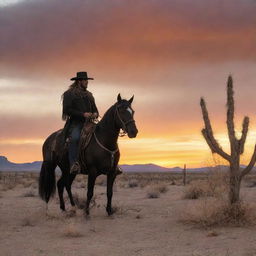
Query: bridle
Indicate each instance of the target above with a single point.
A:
(124, 124)
(124, 128)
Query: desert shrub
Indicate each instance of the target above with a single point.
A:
(213, 212)
(173, 182)
(34, 185)
(81, 185)
(29, 193)
(162, 188)
(27, 222)
(101, 181)
(216, 184)
(79, 178)
(153, 194)
(133, 183)
(79, 202)
(218, 181)
(26, 182)
(196, 190)
(71, 230)
(154, 191)
(8, 186)
(212, 233)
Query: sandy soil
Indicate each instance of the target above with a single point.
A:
(141, 226)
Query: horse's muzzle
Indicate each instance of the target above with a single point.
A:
(132, 133)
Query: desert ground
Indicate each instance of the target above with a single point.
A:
(153, 217)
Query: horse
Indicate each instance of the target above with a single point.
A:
(101, 156)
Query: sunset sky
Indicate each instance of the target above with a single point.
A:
(168, 53)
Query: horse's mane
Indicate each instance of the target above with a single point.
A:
(106, 120)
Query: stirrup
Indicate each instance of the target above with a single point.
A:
(76, 168)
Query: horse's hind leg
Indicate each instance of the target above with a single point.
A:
(110, 181)
(60, 185)
(90, 188)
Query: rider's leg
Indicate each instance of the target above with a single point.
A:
(73, 148)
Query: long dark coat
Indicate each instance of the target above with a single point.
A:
(75, 105)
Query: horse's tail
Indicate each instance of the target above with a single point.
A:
(47, 181)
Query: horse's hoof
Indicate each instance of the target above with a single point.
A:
(110, 212)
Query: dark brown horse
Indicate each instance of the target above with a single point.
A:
(101, 156)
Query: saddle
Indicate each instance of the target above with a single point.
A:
(61, 143)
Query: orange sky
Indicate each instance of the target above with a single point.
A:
(167, 53)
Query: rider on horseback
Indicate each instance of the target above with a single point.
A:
(78, 107)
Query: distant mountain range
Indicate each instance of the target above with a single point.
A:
(6, 165)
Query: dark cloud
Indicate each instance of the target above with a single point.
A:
(122, 39)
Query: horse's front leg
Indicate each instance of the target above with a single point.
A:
(110, 181)
(69, 182)
(90, 188)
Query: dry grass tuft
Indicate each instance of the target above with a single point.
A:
(196, 190)
(154, 191)
(133, 183)
(118, 209)
(162, 188)
(79, 202)
(26, 182)
(215, 185)
(213, 212)
(8, 186)
(138, 216)
(153, 194)
(34, 185)
(27, 222)
(212, 233)
(29, 193)
(72, 231)
(101, 181)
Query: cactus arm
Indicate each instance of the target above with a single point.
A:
(244, 134)
(251, 164)
(230, 117)
(208, 133)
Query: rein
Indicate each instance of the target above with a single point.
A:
(112, 152)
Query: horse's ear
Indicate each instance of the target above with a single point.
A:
(119, 98)
(131, 99)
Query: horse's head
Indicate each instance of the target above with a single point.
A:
(125, 116)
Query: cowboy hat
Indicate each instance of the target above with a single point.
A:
(81, 76)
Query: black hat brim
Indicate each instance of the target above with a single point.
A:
(82, 78)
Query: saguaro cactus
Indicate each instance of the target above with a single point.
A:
(236, 145)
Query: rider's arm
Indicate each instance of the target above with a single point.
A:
(68, 107)
(94, 109)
